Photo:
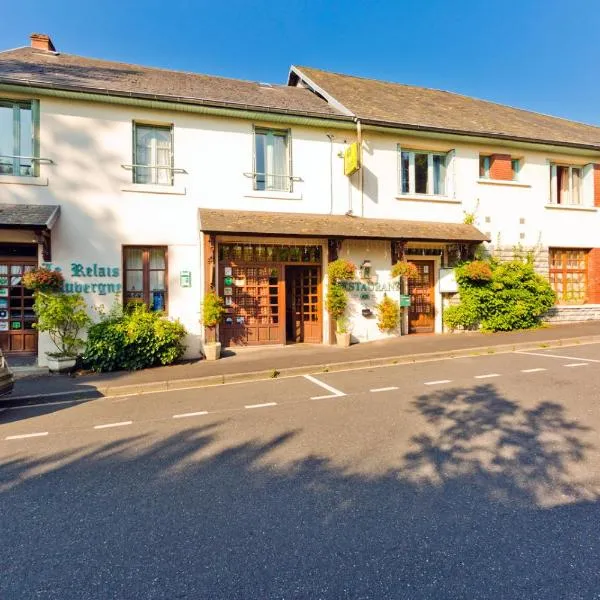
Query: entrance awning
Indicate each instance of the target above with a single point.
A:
(28, 216)
(40, 218)
(340, 226)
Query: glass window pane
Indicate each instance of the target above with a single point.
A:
(420, 173)
(7, 149)
(404, 172)
(278, 162)
(484, 166)
(157, 258)
(153, 147)
(439, 174)
(576, 186)
(134, 281)
(157, 280)
(134, 258)
(259, 141)
(26, 141)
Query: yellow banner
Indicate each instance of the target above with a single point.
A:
(351, 160)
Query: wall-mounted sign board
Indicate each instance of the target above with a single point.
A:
(448, 283)
(351, 159)
(185, 279)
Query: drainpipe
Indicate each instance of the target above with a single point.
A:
(360, 162)
(330, 136)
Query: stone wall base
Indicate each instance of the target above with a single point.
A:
(570, 314)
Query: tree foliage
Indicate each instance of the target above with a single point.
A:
(499, 296)
(133, 339)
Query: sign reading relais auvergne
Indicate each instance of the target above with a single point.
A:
(90, 278)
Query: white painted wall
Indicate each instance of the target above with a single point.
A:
(88, 143)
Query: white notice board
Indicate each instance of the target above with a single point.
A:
(448, 284)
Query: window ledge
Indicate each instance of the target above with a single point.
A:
(572, 207)
(177, 190)
(428, 198)
(273, 195)
(503, 182)
(23, 180)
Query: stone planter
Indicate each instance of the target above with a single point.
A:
(212, 350)
(62, 364)
(342, 339)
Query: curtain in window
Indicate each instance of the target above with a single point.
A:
(16, 139)
(153, 148)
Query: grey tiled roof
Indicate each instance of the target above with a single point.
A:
(28, 215)
(29, 66)
(311, 225)
(428, 109)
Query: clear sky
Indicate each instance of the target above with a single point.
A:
(542, 55)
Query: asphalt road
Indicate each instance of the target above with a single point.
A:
(464, 478)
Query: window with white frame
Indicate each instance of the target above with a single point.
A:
(18, 134)
(566, 182)
(152, 154)
(272, 169)
(422, 172)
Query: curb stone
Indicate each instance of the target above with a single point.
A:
(285, 372)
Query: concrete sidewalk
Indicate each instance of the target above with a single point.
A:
(254, 363)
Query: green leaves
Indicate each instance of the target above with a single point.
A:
(134, 339)
(63, 317)
(511, 297)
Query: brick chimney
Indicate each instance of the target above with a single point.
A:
(41, 41)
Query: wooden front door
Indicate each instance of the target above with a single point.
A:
(16, 307)
(303, 305)
(421, 314)
(253, 300)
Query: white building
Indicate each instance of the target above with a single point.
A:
(151, 185)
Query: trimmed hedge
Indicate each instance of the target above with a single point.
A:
(499, 296)
(135, 338)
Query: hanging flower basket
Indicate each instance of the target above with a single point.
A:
(43, 280)
(403, 268)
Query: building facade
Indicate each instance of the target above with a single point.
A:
(144, 185)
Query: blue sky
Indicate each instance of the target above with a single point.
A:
(541, 55)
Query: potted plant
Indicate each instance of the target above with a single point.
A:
(337, 298)
(388, 313)
(63, 317)
(404, 268)
(44, 280)
(213, 309)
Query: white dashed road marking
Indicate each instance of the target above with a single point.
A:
(107, 425)
(264, 405)
(385, 389)
(538, 370)
(487, 376)
(594, 360)
(26, 435)
(576, 365)
(439, 381)
(191, 414)
(334, 393)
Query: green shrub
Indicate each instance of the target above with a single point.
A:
(133, 339)
(340, 269)
(337, 298)
(63, 317)
(514, 296)
(213, 309)
(388, 312)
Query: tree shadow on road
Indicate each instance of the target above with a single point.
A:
(488, 502)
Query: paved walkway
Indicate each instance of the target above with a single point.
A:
(259, 362)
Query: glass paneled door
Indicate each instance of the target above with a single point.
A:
(421, 314)
(303, 306)
(17, 317)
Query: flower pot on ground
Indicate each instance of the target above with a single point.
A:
(342, 333)
(212, 350)
(63, 317)
(60, 364)
(213, 309)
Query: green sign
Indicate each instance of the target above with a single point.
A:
(185, 279)
(404, 300)
(228, 280)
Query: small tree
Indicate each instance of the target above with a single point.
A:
(63, 317)
(213, 310)
(388, 312)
